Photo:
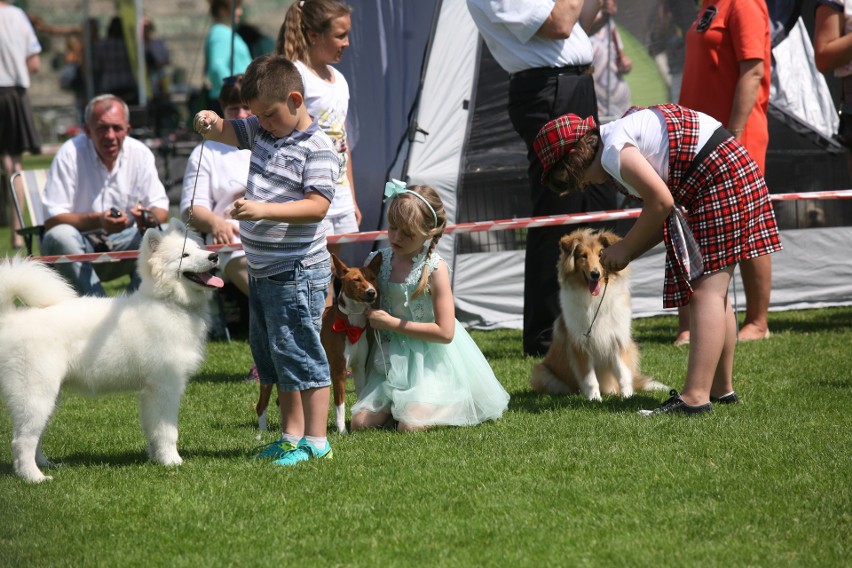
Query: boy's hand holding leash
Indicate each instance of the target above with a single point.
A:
(208, 123)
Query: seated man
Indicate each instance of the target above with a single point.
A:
(102, 192)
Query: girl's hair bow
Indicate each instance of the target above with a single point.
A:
(395, 187)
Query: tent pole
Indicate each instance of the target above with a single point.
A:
(413, 128)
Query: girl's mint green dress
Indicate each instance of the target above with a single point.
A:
(424, 383)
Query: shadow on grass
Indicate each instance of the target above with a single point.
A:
(217, 378)
(126, 459)
(535, 403)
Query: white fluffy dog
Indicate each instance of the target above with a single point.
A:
(149, 342)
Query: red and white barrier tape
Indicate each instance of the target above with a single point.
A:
(474, 227)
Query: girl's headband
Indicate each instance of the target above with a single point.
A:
(395, 187)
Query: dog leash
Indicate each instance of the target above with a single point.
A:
(595, 317)
(192, 197)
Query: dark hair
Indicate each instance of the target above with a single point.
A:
(115, 28)
(217, 6)
(271, 77)
(565, 175)
(232, 91)
(311, 15)
(411, 214)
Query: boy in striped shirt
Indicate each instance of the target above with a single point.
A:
(290, 184)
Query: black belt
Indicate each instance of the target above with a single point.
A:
(719, 135)
(542, 72)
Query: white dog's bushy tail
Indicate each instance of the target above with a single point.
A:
(32, 283)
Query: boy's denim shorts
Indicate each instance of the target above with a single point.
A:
(285, 313)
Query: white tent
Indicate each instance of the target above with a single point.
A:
(428, 106)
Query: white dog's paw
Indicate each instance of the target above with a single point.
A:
(592, 393)
(167, 457)
(626, 391)
(33, 475)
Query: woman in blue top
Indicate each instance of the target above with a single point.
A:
(217, 47)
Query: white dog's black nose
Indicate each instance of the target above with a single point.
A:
(595, 274)
(214, 257)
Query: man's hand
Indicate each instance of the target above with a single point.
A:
(223, 232)
(114, 223)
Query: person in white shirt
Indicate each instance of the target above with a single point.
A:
(322, 38)
(211, 187)
(19, 57)
(544, 47)
(102, 192)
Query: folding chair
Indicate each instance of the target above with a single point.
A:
(27, 188)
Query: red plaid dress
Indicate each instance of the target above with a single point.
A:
(724, 199)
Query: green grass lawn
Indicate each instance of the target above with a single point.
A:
(556, 482)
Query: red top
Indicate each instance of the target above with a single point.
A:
(725, 33)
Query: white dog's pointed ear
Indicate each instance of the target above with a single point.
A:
(177, 225)
(152, 239)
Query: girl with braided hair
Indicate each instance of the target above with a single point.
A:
(425, 370)
(314, 35)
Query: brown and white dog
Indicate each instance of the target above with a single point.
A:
(592, 351)
(345, 333)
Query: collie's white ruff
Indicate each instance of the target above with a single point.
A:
(149, 342)
(605, 360)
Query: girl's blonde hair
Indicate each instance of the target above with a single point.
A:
(411, 215)
(302, 17)
(564, 177)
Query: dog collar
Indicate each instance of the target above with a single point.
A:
(342, 325)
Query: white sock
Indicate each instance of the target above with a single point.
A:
(317, 442)
(290, 438)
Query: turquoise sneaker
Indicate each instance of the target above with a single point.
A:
(274, 450)
(303, 452)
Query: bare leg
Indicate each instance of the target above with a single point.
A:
(682, 337)
(315, 411)
(757, 284)
(405, 427)
(292, 413)
(708, 330)
(365, 419)
(723, 381)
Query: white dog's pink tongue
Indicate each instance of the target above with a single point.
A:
(595, 287)
(210, 280)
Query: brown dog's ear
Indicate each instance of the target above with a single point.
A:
(607, 238)
(338, 268)
(567, 246)
(376, 263)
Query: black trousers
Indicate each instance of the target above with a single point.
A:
(534, 101)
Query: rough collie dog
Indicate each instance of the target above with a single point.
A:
(149, 342)
(592, 350)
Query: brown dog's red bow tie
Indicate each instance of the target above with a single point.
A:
(353, 332)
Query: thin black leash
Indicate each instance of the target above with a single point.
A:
(595, 317)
